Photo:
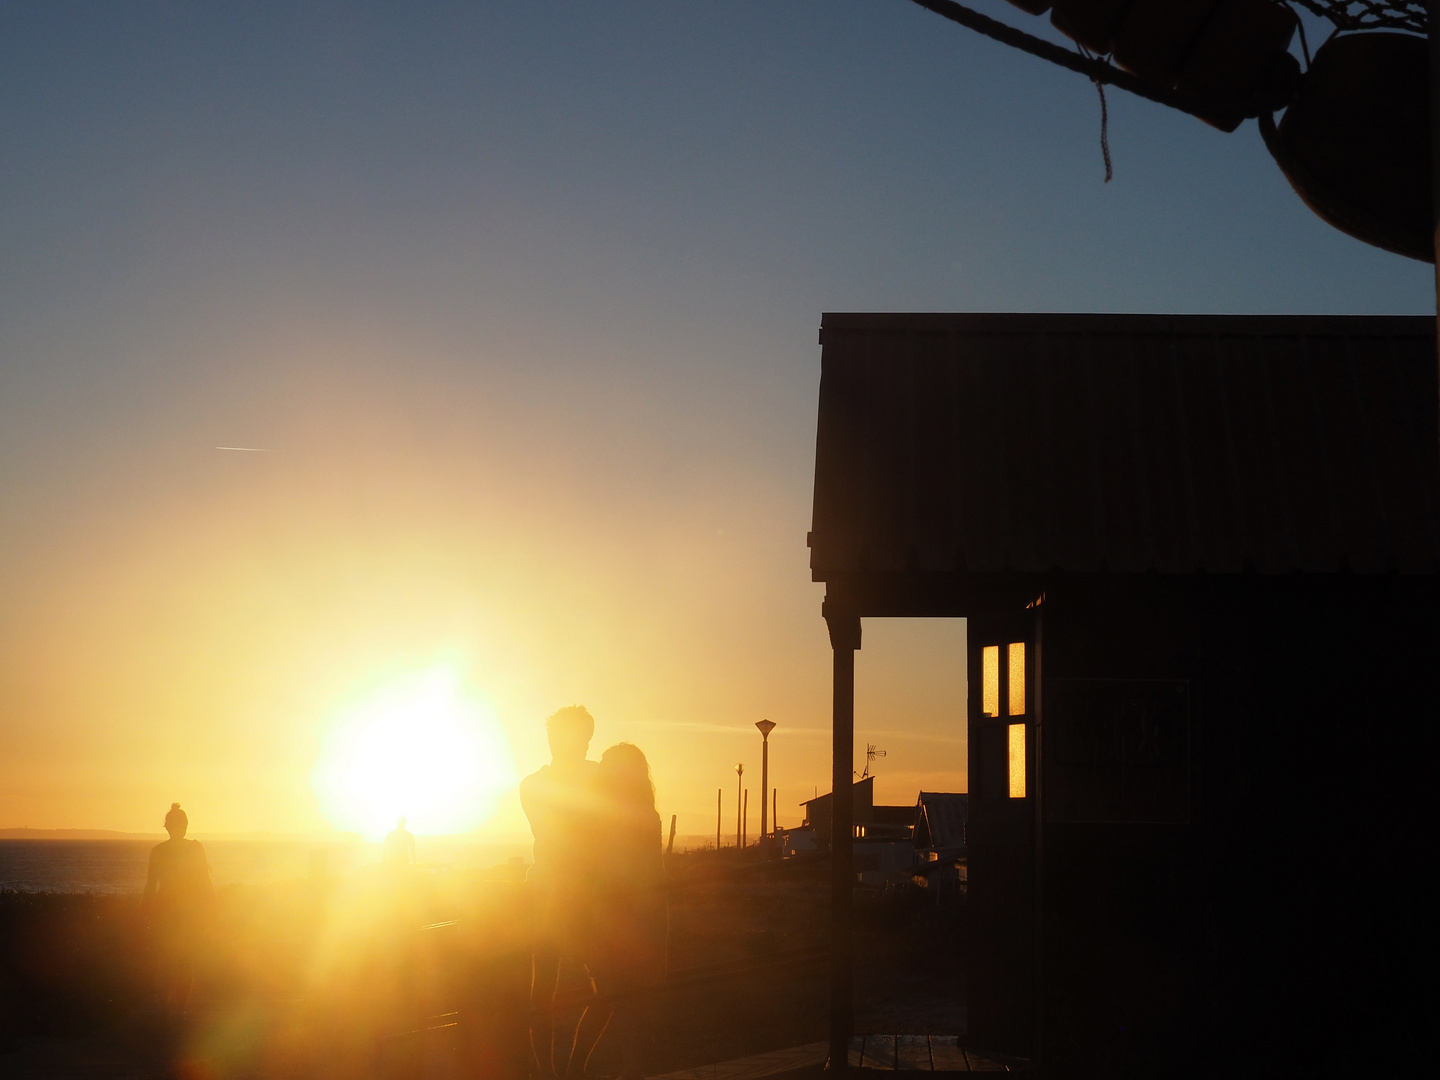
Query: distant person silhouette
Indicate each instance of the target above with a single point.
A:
(631, 920)
(558, 799)
(399, 850)
(176, 906)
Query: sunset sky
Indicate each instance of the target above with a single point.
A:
(521, 302)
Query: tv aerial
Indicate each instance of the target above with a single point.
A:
(870, 755)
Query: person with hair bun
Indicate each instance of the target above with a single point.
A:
(176, 905)
(628, 947)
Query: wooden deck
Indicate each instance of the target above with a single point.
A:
(879, 1053)
(921, 1053)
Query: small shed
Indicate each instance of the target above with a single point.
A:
(818, 811)
(1198, 557)
(940, 818)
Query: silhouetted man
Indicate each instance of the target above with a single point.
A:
(559, 801)
(399, 847)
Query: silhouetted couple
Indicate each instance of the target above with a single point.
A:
(176, 908)
(598, 890)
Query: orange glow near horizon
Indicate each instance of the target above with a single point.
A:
(194, 628)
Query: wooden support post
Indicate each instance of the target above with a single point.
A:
(670, 847)
(739, 803)
(844, 640)
(719, 795)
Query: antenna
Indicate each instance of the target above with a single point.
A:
(870, 755)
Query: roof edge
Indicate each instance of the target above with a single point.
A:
(1136, 323)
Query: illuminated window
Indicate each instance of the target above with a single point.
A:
(1017, 678)
(990, 680)
(1017, 761)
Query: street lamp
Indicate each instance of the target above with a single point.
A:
(739, 797)
(765, 726)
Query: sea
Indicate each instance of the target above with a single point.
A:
(119, 866)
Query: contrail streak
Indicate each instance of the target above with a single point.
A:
(248, 449)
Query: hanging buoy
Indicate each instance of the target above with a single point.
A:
(1239, 63)
(1225, 59)
(1355, 141)
(1156, 35)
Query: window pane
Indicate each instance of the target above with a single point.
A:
(990, 680)
(1017, 678)
(1017, 761)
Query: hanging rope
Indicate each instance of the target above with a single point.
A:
(1105, 132)
(1304, 44)
(1095, 70)
(1104, 110)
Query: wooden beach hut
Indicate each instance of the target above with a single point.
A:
(1198, 558)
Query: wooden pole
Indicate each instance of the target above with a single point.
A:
(745, 819)
(670, 847)
(719, 794)
(844, 640)
(739, 795)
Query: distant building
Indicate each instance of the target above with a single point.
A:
(939, 838)
(928, 838)
(871, 822)
(797, 842)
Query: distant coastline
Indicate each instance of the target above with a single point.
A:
(77, 834)
(158, 835)
(499, 839)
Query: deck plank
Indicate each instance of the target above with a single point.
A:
(981, 1063)
(912, 1053)
(857, 1050)
(946, 1055)
(879, 1052)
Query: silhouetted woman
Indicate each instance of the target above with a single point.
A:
(631, 917)
(176, 906)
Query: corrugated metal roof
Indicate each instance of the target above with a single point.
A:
(952, 443)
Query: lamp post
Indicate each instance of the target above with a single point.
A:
(739, 802)
(765, 726)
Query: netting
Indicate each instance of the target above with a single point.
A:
(1371, 14)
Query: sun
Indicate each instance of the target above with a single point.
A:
(418, 747)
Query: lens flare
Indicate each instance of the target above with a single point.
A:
(419, 747)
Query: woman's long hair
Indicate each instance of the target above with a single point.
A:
(625, 776)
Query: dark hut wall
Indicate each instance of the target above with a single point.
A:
(1229, 524)
(1228, 926)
